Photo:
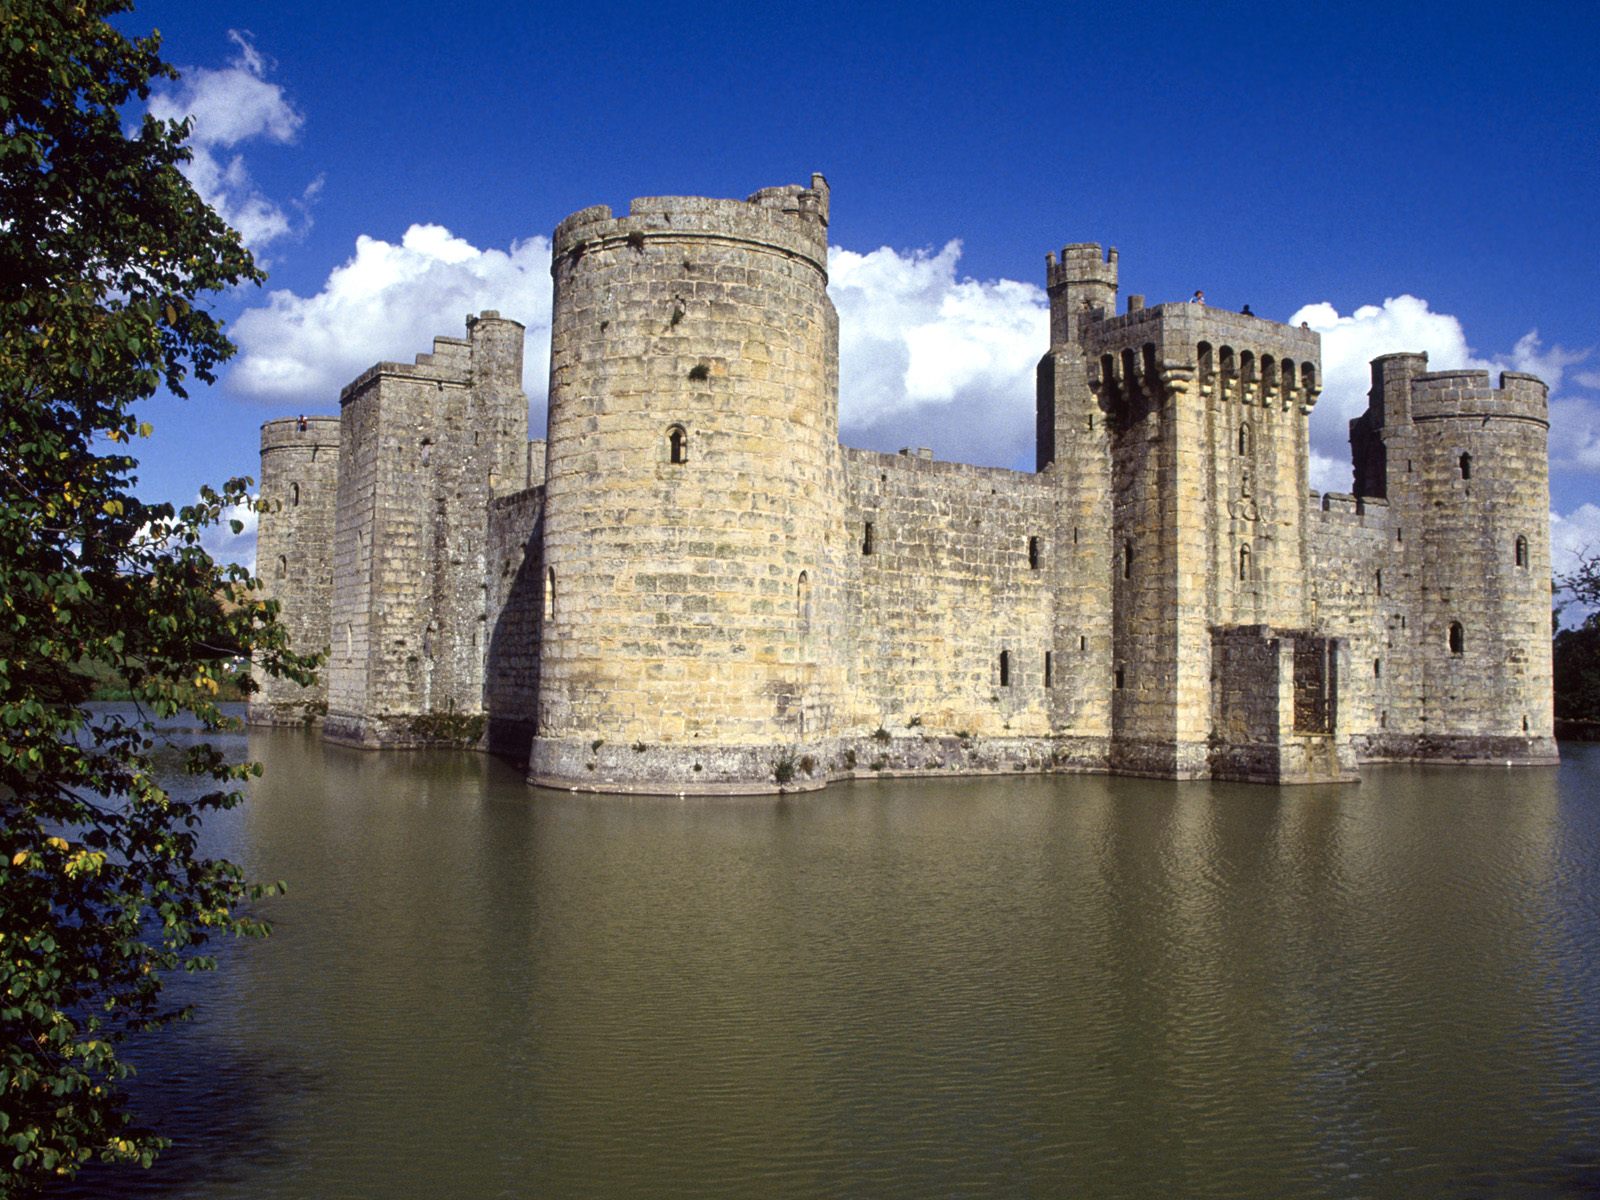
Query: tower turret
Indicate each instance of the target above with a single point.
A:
(693, 496)
(1468, 485)
(1082, 288)
(294, 553)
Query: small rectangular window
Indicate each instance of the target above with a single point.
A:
(1049, 680)
(866, 539)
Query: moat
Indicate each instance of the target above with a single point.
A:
(1063, 985)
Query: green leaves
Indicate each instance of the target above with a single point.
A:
(106, 255)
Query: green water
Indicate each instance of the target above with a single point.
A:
(1020, 986)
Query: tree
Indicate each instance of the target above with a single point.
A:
(106, 253)
(1576, 652)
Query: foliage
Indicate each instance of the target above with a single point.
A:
(1576, 652)
(105, 250)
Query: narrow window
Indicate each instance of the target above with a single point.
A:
(1458, 638)
(1083, 643)
(1377, 581)
(1048, 673)
(1522, 552)
(1005, 668)
(1383, 719)
(1308, 377)
(1127, 560)
(802, 602)
(1206, 368)
(1033, 554)
(1287, 367)
(1119, 679)
(677, 446)
(1244, 438)
(1377, 668)
(283, 567)
(550, 594)
(294, 495)
(866, 538)
(1244, 562)
(1466, 466)
(1524, 722)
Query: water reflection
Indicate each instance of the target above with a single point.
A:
(1019, 986)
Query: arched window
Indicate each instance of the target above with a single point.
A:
(802, 602)
(1033, 554)
(1244, 562)
(1269, 372)
(677, 445)
(1308, 376)
(1287, 369)
(1466, 466)
(294, 495)
(1244, 438)
(1151, 369)
(1127, 560)
(1005, 668)
(550, 594)
(1207, 368)
(283, 567)
(1458, 638)
(1522, 552)
(1247, 366)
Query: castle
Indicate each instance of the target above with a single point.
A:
(692, 587)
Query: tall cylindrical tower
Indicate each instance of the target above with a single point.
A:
(294, 553)
(1478, 470)
(694, 497)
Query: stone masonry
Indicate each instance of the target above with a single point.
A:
(691, 587)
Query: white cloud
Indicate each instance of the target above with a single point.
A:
(928, 359)
(224, 545)
(227, 107)
(387, 303)
(1406, 323)
(1350, 343)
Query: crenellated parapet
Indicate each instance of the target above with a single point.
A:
(790, 220)
(1228, 356)
(1438, 395)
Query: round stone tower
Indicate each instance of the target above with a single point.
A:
(294, 553)
(1478, 481)
(694, 498)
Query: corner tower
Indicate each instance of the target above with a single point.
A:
(294, 554)
(1465, 467)
(694, 496)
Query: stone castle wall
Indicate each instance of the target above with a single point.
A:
(692, 587)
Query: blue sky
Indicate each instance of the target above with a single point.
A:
(1425, 176)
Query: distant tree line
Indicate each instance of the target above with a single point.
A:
(1577, 657)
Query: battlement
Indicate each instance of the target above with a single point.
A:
(791, 219)
(455, 361)
(1081, 262)
(1240, 357)
(299, 433)
(1437, 395)
(1343, 508)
